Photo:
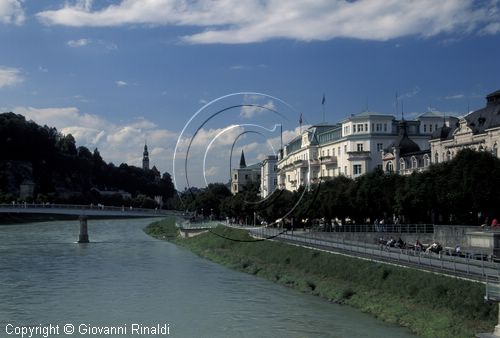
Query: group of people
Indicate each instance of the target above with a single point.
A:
(435, 247)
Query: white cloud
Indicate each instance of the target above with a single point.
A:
(106, 46)
(257, 109)
(121, 83)
(78, 43)
(226, 21)
(12, 12)
(117, 143)
(454, 97)
(10, 76)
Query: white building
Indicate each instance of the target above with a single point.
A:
(244, 175)
(269, 176)
(479, 130)
(404, 156)
(352, 147)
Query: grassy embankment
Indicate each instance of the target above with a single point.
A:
(430, 305)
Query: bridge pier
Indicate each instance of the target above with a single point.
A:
(84, 235)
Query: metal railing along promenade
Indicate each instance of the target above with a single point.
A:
(378, 228)
(476, 267)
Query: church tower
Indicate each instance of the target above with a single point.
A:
(243, 163)
(145, 158)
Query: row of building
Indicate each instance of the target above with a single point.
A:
(366, 141)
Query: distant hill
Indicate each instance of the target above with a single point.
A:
(39, 163)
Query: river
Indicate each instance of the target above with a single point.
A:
(124, 277)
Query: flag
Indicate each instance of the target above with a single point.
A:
(323, 100)
(300, 119)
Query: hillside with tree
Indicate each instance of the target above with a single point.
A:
(56, 170)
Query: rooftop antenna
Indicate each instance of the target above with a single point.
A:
(396, 104)
(281, 141)
(402, 112)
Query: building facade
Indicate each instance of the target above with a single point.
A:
(352, 147)
(404, 156)
(244, 175)
(269, 175)
(478, 130)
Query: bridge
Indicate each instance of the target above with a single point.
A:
(79, 210)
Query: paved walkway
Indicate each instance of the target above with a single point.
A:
(475, 269)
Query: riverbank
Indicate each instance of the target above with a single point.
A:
(429, 305)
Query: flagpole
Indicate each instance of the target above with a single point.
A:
(323, 104)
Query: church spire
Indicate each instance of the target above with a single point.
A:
(243, 163)
(145, 158)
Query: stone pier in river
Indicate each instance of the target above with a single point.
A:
(84, 235)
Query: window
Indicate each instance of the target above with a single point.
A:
(246, 177)
(426, 160)
(275, 181)
(425, 128)
(495, 150)
(430, 128)
(373, 127)
(436, 158)
(379, 126)
(402, 164)
(380, 146)
(235, 176)
(359, 146)
(385, 126)
(275, 168)
(235, 187)
(436, 127)
(338, 152)
(379, 166)
(448, 155)
(345, 170)
(345, 149)
(414, 162)
(328, 152)
(356, 169)
(389, 167)
(366, 127)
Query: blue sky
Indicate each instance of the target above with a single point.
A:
(117, 73)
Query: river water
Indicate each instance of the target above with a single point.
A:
(124, 277)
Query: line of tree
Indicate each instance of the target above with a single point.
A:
(465, 190)
(54, 164)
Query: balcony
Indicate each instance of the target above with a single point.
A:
(300, 163)
(358, 155)
(328, 160)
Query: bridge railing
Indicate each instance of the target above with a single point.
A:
(82, 207)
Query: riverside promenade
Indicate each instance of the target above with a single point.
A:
(468, 267)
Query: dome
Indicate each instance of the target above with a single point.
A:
(404, 143)
(442, 133)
